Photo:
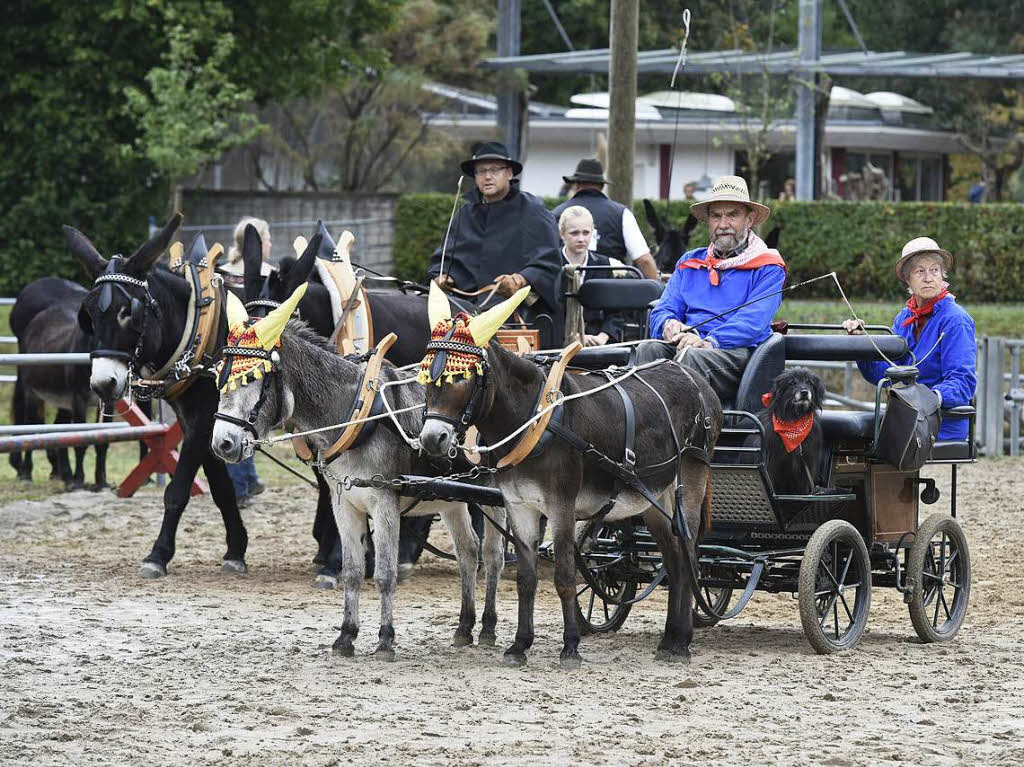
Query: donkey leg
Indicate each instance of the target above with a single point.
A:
(79, 410)
(461, 529)
(525, 524)
(101, 458)
(352, 529)
(563, 527)
(385, 573)
(175, 499)
(325, 531)
(494, 561)
(223, 491)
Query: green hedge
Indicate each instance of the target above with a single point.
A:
(860, 241)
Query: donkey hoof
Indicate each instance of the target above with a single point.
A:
(97, 486)
(234, 567)
(343, 646)
(152, 570)
(487, 639)
(672, 656)
(385, 654)
(462, 640)
(570, 662)
(513, 659)
(325, 582)
(405, 570)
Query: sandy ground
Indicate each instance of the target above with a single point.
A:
(98, 666)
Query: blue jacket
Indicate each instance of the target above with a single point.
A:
(691, 298)
(949, 369)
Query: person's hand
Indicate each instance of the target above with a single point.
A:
(445, 282)
(510, 283)
(854, 327)
(672, 330)
(597, 340)
(692, 341)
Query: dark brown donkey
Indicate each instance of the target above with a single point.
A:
(472, 381)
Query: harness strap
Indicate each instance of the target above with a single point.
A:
(629, 455)
(339, 338)
(208, 297)
(364, 398)
(549, 392)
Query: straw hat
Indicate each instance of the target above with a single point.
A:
(918, 246)
(731, 189)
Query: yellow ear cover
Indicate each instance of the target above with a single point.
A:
(269, 329)
(237, 315)
(484, 326)
(438, 307)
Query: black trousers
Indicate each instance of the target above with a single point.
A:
(722, 368)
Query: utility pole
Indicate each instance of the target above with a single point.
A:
(810, 54)
(509, 28)
(623, 34)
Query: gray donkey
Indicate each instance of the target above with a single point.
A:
(471, 380)
(279, 372)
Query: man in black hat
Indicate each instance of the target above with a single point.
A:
(616, 232)
(503, 236)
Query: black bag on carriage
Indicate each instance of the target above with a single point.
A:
(910, 423)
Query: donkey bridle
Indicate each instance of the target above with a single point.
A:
(249, 424)
(140, 312)
(462, 423)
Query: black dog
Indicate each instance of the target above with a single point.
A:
(793, 442)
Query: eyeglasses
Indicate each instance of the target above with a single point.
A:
(490, 170)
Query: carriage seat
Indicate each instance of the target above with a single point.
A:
(845, 426)
(601, 357)
(618, 295)
(839, 347)
(956, 450)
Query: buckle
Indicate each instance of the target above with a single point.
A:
(630, 459)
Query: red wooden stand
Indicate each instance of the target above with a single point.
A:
(162, 455)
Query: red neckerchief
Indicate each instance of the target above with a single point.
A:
(792, 433)
(711, 263)
(919, 314)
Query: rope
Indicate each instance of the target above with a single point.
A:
(293, 435)
(849, 306)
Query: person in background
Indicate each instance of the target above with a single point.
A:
(243, 474)
(576, 227)
(939, 332)
(788, 190)
(616, 232)
(690, 191)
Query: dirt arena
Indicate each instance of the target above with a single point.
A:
(98, 666)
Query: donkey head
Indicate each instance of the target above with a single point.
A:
(253, 395)
(671, 242)
(119, 312)
(455, 369)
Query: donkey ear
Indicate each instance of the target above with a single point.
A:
(143, 259)
(484, 326)
(772, 240)
(302, 268)
(652, 218)
(85, 252)
(252, 262)
(327, 245)
(438, 307)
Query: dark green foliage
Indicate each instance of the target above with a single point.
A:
(860, 241)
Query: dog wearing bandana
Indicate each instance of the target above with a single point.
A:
(793, 441)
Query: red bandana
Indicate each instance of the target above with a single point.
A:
(711, 264)
(919, 315)
(792, 433)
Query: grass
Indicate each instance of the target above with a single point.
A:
(991, 319)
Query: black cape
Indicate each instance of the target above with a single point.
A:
(516, 235)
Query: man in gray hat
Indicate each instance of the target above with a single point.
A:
(505, 237)
(616, 232)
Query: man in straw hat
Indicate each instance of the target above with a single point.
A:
(736, 268)
(616, 232)
(503, 236)
(939, 332)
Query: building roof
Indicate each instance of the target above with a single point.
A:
(853, 63)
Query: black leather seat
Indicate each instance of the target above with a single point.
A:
(600, 357)
(765, 364)
(845, 426)
(618, 295)
(839, 347)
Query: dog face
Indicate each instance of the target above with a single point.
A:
(796, 393)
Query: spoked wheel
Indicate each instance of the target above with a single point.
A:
(835, 587)
(718, 599)
(606, 565)
(939, 576)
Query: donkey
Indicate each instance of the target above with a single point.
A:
(279, 372)
(490, 387)
(673, 242)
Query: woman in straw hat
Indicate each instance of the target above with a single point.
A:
(932, 319)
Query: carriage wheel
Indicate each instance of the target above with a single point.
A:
(601, 610)
(835, 587)
(939, 576)
(718, 599)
